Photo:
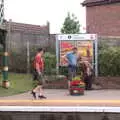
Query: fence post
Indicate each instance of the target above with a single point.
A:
(28, 57)
(9, 35)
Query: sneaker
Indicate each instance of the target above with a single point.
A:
(34, 94)
(42, 97)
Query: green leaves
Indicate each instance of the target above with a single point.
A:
(71, 25)
(109, 61)
(50, 63)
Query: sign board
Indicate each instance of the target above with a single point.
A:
(85, 43)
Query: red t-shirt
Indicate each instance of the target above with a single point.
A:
(38, 63)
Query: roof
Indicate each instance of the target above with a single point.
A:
(99, 2)
(28, 28)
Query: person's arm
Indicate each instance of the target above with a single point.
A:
(42, 66)
(65, 58)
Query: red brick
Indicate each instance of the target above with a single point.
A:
(104, 19)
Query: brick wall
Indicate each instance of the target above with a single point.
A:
(19, 34)
(104, 19)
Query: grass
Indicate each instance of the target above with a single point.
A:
(19, 83)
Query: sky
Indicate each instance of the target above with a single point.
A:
(38, 12)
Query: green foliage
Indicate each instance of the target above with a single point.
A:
(71, 25)
(50, 63)
(109, 61)
(63, 70)
(102, 45)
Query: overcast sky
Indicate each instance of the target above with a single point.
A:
(40, 11)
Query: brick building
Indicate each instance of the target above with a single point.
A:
(103, 17)
(19, 34)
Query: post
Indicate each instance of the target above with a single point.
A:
(9, 35)
(28, 57)
(96, 57)
(5, 83)
(57, 54)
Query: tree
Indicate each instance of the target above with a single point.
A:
(71, 25)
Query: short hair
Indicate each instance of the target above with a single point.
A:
(74, 48)
(40, 49)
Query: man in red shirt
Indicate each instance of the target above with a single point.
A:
(38, 73)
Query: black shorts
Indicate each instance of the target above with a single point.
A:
(38, 77)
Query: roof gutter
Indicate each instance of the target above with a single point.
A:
(106, 2)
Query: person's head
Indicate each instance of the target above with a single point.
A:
(41, 51)
(74, 50)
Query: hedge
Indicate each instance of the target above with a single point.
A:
(109, 61)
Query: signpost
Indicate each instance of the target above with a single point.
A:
(85, 43)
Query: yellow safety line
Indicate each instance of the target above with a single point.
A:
(61, 101)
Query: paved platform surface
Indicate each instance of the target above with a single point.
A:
(57, 97)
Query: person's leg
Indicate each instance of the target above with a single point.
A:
(86, 82)
(90, 83)
(69, 75)
(41, 92)
(35, 90)
(74, 71)
(34, 75)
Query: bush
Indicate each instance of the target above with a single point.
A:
(63, 70)
(109, 61)
(50, 63)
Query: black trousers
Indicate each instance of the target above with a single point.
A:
(88, 82)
